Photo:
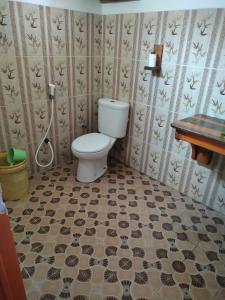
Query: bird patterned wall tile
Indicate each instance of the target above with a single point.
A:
(128, 36)
(193, 44)
(29, 18)
(57, 28)
(220, 192)
(108, 76)
(96, 75)
(153, 161)
(61, 78)
(6, 37)
(95, 112)
(81, 76)
(124, 80)
(193, 41)
(159, 130)
(81, 117)
(3, 129)
(135, 157)
(40, 118)
(97, 35)
(80, 34)
(189, 92)
(63, 117)
(180, 148)
(174, 171)
(220, 57)
(143, 83)
(176, 23)
(204, 25)
(140, 113)
(64, 145)
(149, 30)
(216, 95)
(36, 78)
(198, 184)
(11, 93)
(164, 100)
(47, 36)
(110, 24)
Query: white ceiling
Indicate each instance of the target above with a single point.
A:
(94, 6)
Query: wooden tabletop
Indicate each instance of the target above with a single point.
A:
(202, 125)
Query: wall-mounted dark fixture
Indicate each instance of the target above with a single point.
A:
(156, 69)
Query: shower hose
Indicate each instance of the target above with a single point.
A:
(46, 141)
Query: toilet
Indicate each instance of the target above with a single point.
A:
(92, 149)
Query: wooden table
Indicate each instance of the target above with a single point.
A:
(204, 135)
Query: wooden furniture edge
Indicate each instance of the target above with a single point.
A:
(200, 141)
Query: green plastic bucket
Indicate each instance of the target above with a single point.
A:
(16, 155)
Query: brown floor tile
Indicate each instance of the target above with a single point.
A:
(124, 236)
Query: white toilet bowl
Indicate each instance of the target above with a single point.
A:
(92, 150)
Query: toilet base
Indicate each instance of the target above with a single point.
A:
(90, 170)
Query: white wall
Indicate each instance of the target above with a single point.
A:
(159, 5)
(92, 6)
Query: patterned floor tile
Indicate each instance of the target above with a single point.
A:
(124, 236)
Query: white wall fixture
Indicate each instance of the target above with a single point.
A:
(91, 6)
(152, 60)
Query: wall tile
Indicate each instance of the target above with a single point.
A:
(216, 103)
(51, 45)
(6, 37)
(142, 85)
(36, 78)
(148, 34)
(153, 161)
(81, 76)
(90, 56)
(110, 33)
(40, 118)
(202, 34)
(173, 37)
(189, 91)
(108, 76)
(97, 35)
(80, 34)
(128, 36)
(30, 29)
(96, 74)
(61, 79)
(11, 94)
(193, 44)
(139, 122)
(57, 29)
(124, 79)
(81, 117)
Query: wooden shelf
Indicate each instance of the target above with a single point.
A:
(204, 135)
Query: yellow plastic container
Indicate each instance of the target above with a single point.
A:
(13, 179)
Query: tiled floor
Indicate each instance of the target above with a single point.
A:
(124, 236)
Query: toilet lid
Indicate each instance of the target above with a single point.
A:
(91, 142)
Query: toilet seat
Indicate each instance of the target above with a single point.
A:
(91, 143)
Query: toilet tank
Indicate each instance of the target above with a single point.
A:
(112, 117)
